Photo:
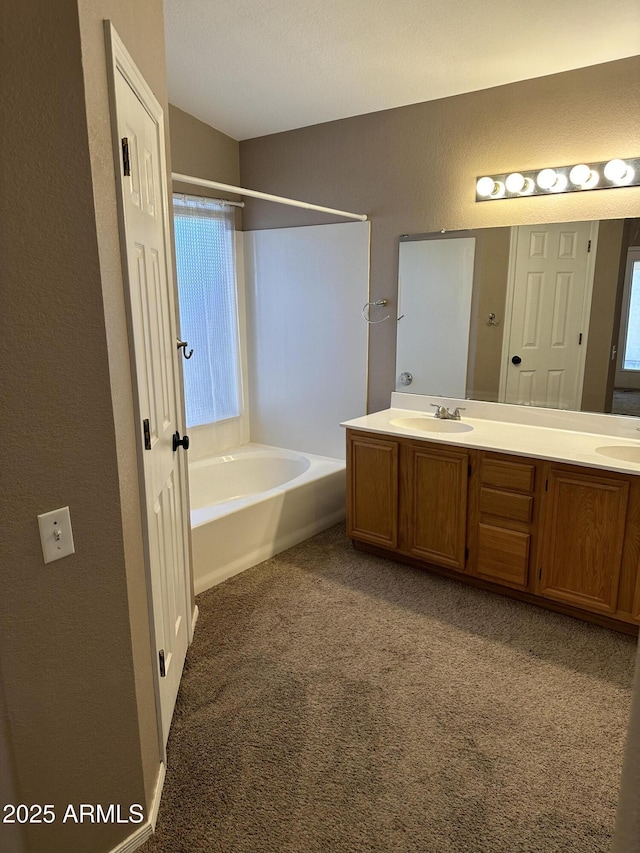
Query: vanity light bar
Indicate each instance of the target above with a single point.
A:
(610, 174)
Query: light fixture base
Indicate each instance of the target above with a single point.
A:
(605, 175)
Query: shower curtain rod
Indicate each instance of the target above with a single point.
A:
(217, 200)
(201, 182)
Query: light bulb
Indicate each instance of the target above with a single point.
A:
(584, 177)
(560, 184)
(515, 182)
(485, 187)
(547, 178)
(618, 172)
(580, 175)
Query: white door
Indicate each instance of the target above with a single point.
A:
(435, 281)
(551, 292)
(146, 238)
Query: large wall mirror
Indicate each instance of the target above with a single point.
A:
(538, 315)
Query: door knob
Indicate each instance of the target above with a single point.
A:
(516, 359)
(177, 441)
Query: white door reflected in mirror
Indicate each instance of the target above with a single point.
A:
(435, 284)
(550, 294)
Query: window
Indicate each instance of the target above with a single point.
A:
(205, 257)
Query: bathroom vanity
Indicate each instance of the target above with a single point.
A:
(537, 504)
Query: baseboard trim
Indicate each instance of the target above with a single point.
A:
(157, 796)
(144, 832)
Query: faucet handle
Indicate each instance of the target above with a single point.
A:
(456, 412)
(439, 410)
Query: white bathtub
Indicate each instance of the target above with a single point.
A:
(255, 501)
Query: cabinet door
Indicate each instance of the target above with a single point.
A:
(372, 490)
(582, 539)
(434, 484)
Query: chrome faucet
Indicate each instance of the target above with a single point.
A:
(444, 413)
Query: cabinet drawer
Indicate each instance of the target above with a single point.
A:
(506, 504)
(503, 555)
(514, 476)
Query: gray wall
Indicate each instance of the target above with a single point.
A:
(202, 152)
(413, 169)
(75, 663)
(604, 325)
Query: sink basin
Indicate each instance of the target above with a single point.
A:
(432, 425)
(626, 452)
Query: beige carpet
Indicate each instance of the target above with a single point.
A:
(626, 401)
(335, 702)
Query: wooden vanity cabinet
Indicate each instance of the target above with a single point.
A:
(583, 531)
(556, 535)
(501, 535)
(433, 503)
(372, 489)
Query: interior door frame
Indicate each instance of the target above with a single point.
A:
(120, 62)
(586, 308)
(633, 256)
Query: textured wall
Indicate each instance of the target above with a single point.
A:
(485, 341)
(202, 152)
(75, 663)
(413, 169)
(65, 640)
(599, 369)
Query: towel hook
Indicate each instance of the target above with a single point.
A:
(366, 305)
(183, 346)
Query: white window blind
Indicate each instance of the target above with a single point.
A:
(205, 258)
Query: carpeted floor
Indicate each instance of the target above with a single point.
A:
(626, 401)
(334, 702)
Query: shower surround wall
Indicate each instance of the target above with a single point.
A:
(306, 336)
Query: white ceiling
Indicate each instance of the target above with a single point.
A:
(254, 67)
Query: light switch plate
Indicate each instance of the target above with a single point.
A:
(55, 534)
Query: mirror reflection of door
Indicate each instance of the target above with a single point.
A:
(435, 284)
(628, 365)
(550, 287)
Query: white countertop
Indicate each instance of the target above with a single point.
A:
(577, 438)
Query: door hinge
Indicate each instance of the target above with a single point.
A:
(163, 670)
(540, 573)
(589, 246)
(466, 553)
(147, 434)
(579, 338)
(469, 470)
(126, 162)
(546, 486)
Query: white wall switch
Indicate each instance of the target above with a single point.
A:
(55, 534)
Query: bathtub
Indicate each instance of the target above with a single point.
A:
(255, 501)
